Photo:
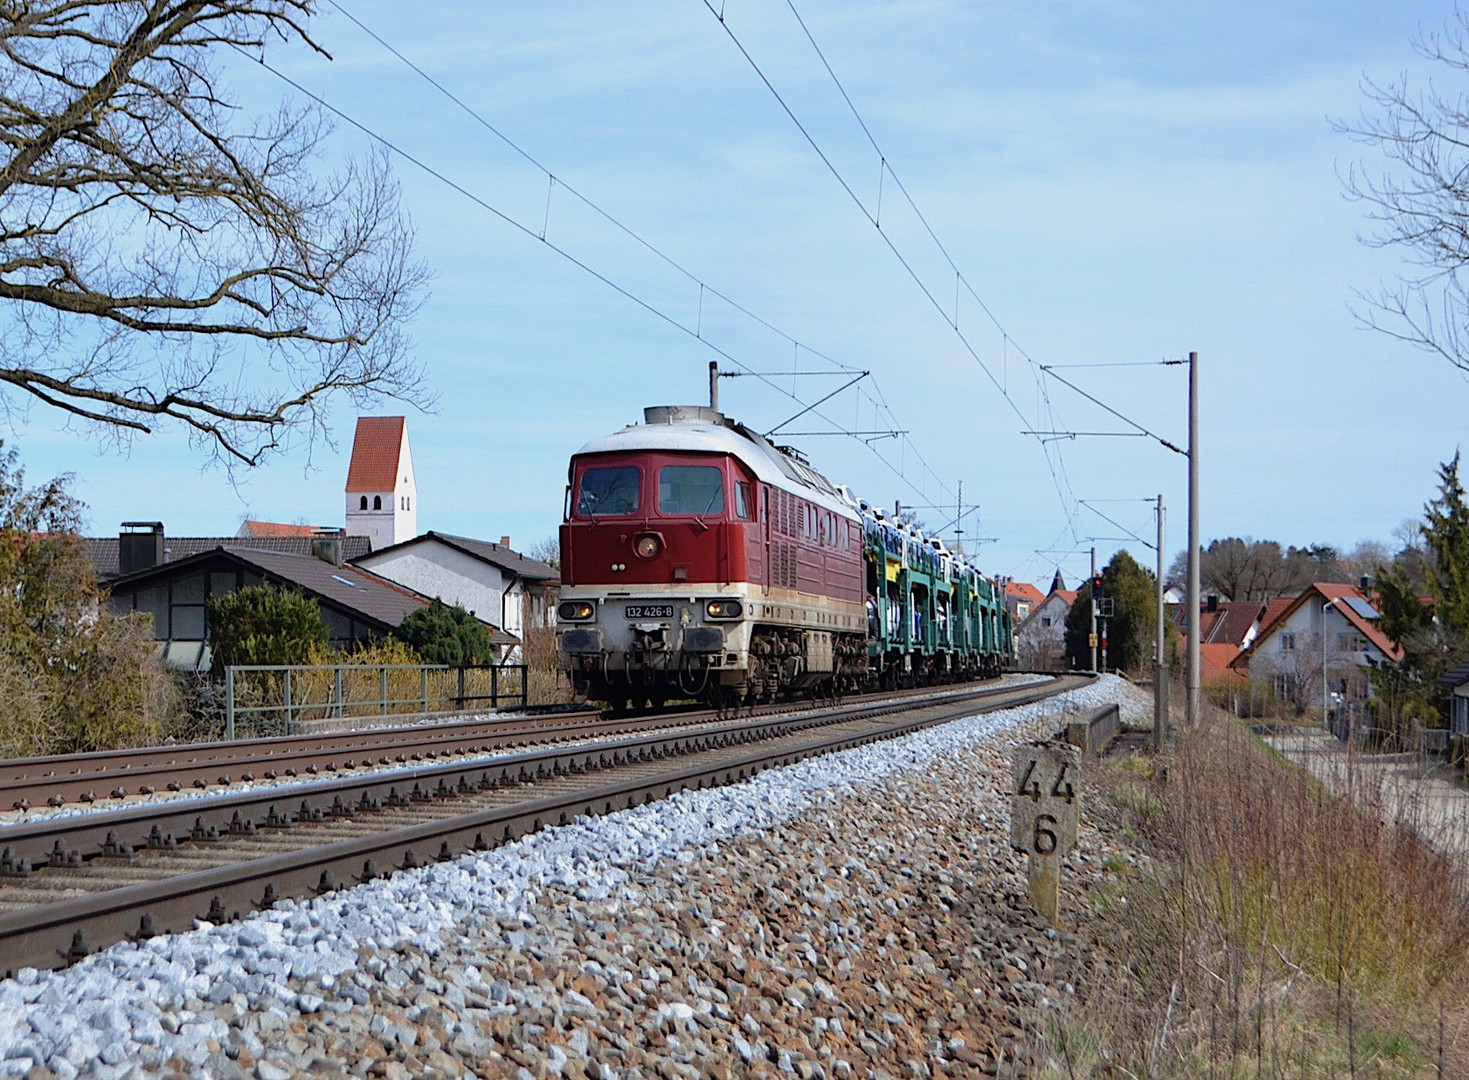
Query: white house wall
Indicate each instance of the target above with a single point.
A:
(454, 577)
(1041, 644)
(1303, 662)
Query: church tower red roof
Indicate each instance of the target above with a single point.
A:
(376, 449)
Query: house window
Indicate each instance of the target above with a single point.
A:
(1284, 686)
(364, 503)
(1351, 643)
(1287, 642)
(377, 502)
(1045, 620)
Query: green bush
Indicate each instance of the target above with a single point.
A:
(446, 635)
(261, 624)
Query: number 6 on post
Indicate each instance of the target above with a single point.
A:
(1045, 812)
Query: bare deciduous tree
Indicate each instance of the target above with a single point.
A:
(1418, 202)
(1247, 569)
(160, 259)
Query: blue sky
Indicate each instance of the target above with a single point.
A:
(1118, 182)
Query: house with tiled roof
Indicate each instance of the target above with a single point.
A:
(491, 580)
(1314, 651)
(1021, 598)
(382, 493)
(1224, 628)
(357, 605)
(141, 545)
(1040, 641)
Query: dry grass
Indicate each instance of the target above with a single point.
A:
(545, 683)
(1282, 932)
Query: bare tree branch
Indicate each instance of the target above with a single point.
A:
(158, 261)
(1418, 202)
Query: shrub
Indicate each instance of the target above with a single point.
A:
(74, 676)
(260, 624)
(441, 634)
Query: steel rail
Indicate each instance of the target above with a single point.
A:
(114, 775)
(89, 777)
(61, 931)
(75, 838)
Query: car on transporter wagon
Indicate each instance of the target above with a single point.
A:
(699, 560)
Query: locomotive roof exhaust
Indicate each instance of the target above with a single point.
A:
(682, 414)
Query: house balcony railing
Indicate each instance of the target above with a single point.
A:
(264, 700)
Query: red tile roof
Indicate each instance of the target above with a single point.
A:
(277, 528)
(1068, 595)
(1368, 627)
(1024, 591)
(1273, 611)
(1214, 661)
(376, 448)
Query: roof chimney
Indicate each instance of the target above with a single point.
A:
(1212, 602)
(139, 550)
(1365, 582)
(504, 541)
(326, 545)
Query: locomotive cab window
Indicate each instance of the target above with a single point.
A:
(612, 489)
(690, 489)
(742, 501)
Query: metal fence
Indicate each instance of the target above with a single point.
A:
(280, 699)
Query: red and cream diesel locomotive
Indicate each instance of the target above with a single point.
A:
(698, 560)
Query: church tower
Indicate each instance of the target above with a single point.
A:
(382, 494)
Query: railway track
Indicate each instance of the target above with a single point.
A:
(118, 775)
(75, 883)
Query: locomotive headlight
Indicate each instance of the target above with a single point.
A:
(647, 546)
(724, 609)
(575, 611)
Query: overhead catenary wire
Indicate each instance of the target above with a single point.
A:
(1119, 525)
(1055, 466)
(857, 200)
(886, 170)
(927, 472)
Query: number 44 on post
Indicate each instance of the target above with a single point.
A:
(1045, 811)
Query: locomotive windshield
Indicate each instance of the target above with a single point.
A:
(690, 489)
(609, 490)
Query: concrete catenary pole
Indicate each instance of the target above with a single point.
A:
(1160, 658)
(1195, 711)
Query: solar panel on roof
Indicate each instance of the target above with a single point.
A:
(1361, 607)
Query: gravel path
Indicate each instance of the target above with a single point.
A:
(859, 915)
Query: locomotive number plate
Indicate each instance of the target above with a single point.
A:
(649, 611)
